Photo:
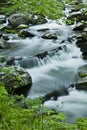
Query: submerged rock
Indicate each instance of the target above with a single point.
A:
(50, 36)
(16, 80)
(55, 94)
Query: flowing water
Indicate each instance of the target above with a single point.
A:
(54, 71)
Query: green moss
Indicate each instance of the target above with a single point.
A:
(82, 75)
(6, 69)
(49, 8)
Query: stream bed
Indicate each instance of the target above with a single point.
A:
(56, 70)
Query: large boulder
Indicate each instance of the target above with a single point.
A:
(16, 80)
(81, 83)
(17, 19)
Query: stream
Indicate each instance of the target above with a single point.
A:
(56, 70)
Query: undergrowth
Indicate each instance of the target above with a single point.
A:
(19, 113)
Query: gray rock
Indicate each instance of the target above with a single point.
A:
(50, 36)
(26, 33)
(16, 19)
(2, 44)
(79, 27)
(2, 19)
(81, 83)
(16, 80)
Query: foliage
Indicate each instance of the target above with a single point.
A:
(49, 8)
(35, 117)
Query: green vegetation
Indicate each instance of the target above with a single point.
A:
(19, 113)
(49, 8)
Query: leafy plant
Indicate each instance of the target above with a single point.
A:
(49, 8)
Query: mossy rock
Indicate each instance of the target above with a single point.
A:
(81, 83)
(16, 80)
(15, 20)
(2, 44)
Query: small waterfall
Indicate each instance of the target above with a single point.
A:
(51, 63)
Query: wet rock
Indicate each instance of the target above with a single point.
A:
(7, 29)
(85, 29)
(82, 43)
(2, 44)
(2, 19)
(16, 19)
(50, 36)
(79, 27)
(16, 80)
(26, 33)
(37, 19)
(49, 53)
(24, 62)
(78, 17)
(81, 83)
(55, 94)
(29, 62)
(10, 61)
(5, 37)
(42, 55)
(43, 29)
(23, 26)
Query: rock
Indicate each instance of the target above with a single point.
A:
(2, 19)
(43, 29)
(16, 80)
(16, 19)
(22, 26)
(79, 27)
(5, 37)
(50, 36)
(81, 16)
(10, 61)
(38, 19)
(2, 44)
(29, 62)
(81, 83)
(26, 33)
(82, 43)
(55, 94)
(85, 29)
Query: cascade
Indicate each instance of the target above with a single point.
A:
(52, 63)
